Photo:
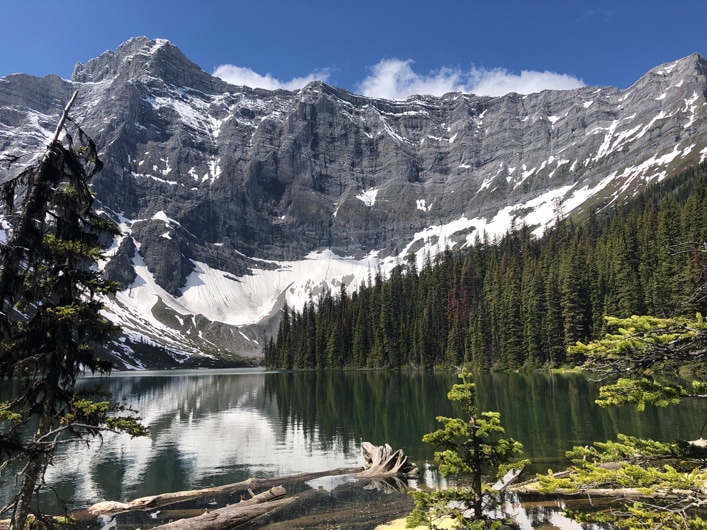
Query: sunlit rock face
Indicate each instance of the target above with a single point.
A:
(235, 200)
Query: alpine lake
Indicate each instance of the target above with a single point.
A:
(216, 427)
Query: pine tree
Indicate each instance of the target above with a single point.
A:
(668, 293)
(310, 336)
(532, 308)
(552, 324)
(385, 330)
(360, 344)
(471, 449)
(455, 346)
(575, 298)
(333, 348)
(50, 323)
(283, 345)
(477, 345)
(510, 322)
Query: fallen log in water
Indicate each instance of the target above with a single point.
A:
(382, 462)
(164, 499)
(235, 514)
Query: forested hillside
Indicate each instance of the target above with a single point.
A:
(518, 301)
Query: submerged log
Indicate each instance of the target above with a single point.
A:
(164, 499)
(383, 461)
(235, 514)
(505, 481)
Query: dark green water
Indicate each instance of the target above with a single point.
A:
(213, 427)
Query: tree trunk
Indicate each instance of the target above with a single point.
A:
(164, 499)
(37, 461)
(477, 486)
(235, 514)
(30, 473)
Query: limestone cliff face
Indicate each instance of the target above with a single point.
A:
(200, 171)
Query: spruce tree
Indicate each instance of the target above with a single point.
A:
(471, 449)
(511, 318)
(359, 344)
(282, 356)
(50, 324)
(533, 303)
(575, 297)
(669, 292)
(478, 339)
(455, 346)
(554, 335)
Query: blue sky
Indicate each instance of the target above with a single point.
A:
(377, 47)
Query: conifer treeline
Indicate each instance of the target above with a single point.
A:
(515, 302)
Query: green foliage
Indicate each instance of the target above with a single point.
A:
(470, 450)
(95, 416)
(627, 448)
(639, 392)
(646, 348)
(638, 515)
(667, 484)
(8, 415)
(638, 336)
(445, 509)
(517, 302)
(666, 480)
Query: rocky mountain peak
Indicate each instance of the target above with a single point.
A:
(693, 63)
(675, 74)
(144, 58)
(692, 67)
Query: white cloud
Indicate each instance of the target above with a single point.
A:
(238, 75)
(395, 79)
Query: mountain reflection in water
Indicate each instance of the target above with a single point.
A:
(215, 427)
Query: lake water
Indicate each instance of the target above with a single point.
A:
(214, 427)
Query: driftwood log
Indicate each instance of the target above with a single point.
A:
(382, 461)
(164, 499)
(246, 510)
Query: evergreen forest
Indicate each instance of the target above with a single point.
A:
(515, 302)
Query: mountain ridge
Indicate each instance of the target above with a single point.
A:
(248, 198)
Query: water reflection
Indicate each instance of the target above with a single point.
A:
(205, 430)
(216, 427)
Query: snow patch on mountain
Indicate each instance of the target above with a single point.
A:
(368, 197)
(249, 299)
(423, 206)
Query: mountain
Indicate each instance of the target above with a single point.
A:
(233, 200)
